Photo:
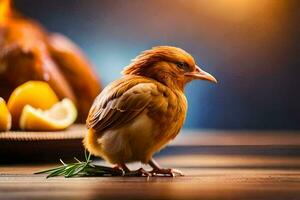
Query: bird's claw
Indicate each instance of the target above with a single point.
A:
(138, 173)
(166, 172)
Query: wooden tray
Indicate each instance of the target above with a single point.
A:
(20, 146)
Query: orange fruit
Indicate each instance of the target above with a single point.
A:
(5, 117)
(37, 94)
(60, 116)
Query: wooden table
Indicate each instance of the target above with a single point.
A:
(269, 170)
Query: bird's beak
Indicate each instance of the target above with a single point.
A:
(200, 74)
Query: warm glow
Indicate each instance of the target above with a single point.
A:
(4, 10)
(233, 10)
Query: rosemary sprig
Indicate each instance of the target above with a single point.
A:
(81, 168)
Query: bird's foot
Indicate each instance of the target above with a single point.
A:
(118, 169)
(166, 172)
(138, 173)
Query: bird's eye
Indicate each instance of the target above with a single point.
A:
(183, 66)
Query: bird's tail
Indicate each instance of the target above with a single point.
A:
(91, 144)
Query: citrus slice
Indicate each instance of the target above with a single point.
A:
(60, 116)
(5, 117)
(38, 94)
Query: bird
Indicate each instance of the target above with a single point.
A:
(139, 114)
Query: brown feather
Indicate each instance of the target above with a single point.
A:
(120, 103)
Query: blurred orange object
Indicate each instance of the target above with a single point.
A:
(28, 52)
(34, 93)
(5, 117)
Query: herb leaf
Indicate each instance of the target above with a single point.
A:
(81, 168)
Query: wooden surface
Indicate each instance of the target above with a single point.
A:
(207, 177)
(236, 168)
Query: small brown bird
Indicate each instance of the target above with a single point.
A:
(137, 115)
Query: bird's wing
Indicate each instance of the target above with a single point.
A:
(120, 103)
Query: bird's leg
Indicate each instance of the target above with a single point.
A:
(128, 172)
(157, 170)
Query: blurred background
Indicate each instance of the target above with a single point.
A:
(251, 47)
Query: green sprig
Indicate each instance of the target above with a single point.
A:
(81, 168)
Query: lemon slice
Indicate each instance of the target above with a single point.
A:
(60, 116)
(5, 117)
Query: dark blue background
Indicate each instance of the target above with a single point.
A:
(251, 46)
